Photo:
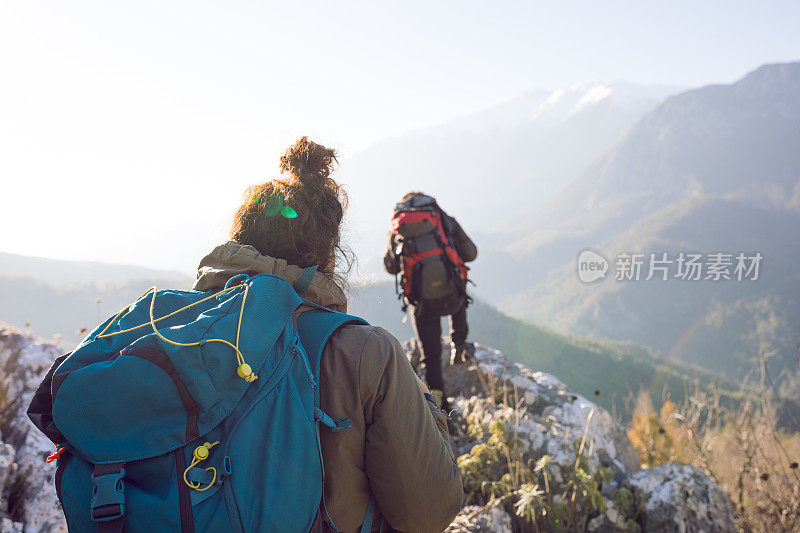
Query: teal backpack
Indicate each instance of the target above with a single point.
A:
(192, 411)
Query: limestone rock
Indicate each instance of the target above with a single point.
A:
(611, 521)
(680, 498)
(8, 474)
(552, 414)
(491, 518)
(23, 362)
(548, 417)
(9, 526)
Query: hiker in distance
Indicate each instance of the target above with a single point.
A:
(398, 449)
(252, 403)
(428, 249)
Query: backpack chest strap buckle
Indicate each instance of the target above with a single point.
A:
(108, 495)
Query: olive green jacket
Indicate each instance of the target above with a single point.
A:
(398, 449)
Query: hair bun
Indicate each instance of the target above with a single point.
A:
(308, 162)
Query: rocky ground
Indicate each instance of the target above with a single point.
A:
(27, 494)
(548, 418)
(537, 409)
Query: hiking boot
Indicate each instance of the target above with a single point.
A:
(461, 353)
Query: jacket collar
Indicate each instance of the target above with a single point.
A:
(231, 259)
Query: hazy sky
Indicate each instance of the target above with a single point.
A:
(127, 125)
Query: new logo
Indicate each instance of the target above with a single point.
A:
(591, 266)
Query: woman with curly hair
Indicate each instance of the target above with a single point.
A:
(397, 450)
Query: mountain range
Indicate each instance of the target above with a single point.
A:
(495, 167)
(712, 170)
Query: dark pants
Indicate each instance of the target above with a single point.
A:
(429, 333)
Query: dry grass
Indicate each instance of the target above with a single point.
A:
(743, 451)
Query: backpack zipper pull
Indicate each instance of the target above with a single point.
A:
(307, 365)
(55, 455)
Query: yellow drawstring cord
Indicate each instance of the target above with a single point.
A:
(201, 454)
(102, 334)
(243, 369)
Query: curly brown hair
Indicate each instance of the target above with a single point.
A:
(314, 237)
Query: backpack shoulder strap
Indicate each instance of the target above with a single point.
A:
(315, 327)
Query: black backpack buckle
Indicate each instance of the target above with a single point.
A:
(108, 496)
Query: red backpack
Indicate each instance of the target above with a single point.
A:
(433, 275)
